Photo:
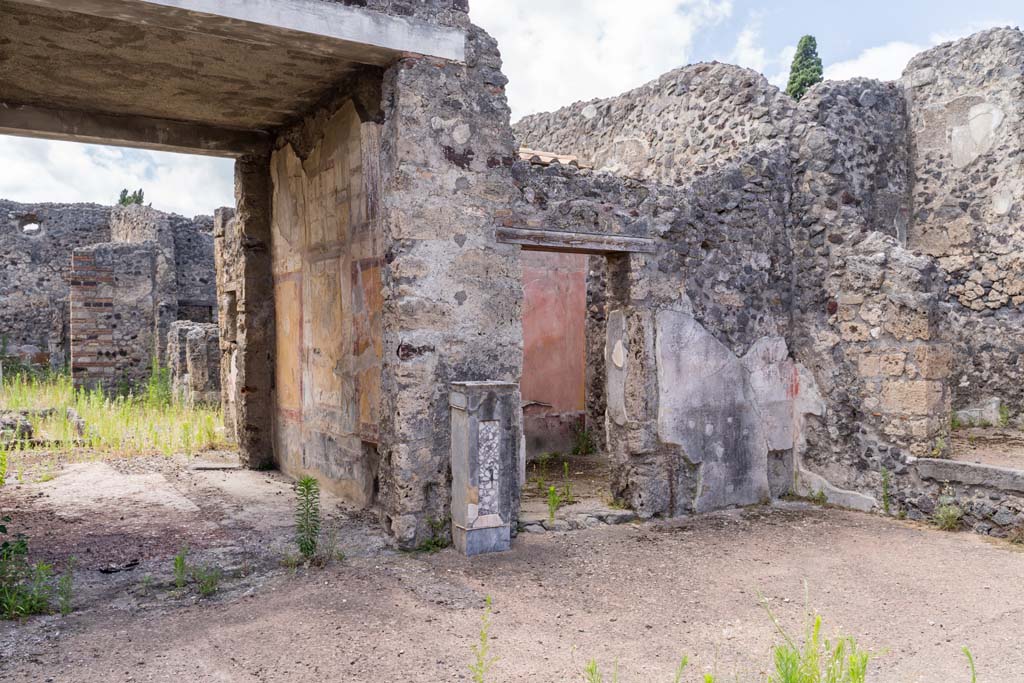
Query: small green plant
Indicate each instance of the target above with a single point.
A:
(582, 441)
(181, 568)
(819, 498)
(1004, 415)
(948, 517)
(307, 516)
(565, 469)
(438, 537)
(970, 661)
(25, 589)
(567, 497)
(207, 580)
(543, 460)
(66, 587)
(483, 661)
(940, 448)
(146, 585)
(955, 423)
(554, 502)
(886, 495)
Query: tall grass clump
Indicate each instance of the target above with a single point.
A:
(149, 422)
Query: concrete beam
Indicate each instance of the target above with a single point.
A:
(129, 131)
(574, 242)
(351, 33)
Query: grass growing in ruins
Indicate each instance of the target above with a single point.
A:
(149, 423)
(26, 588)
(948, 517)
(812, 659)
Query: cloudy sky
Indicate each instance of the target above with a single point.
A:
(557, 52)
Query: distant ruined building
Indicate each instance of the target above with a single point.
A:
(98, 289)
(780, 297)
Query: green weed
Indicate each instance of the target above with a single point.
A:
(123, 424)
(970, 661)
(66, 587)
(438, 540)
(483, 661)
(207, 580)
(1004, 415)
(582, 441)
(554, 502)
(307, 516)
(181, 568)
(948, 517)
(25, 589)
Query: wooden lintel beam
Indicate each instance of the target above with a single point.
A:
(574, 242)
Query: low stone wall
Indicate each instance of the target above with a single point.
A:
(990, 498)
(193, 358)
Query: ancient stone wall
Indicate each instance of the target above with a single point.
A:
(453, 13)
(245, 290)
(114, 303)
(868, 126)
(182, 265)
(452, 296)
(687, 122)
(230, 260)
(36, 243)
(193, 359)
(700, 389)
(965, 102)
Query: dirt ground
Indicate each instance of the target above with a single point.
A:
(996, 446)
(640, 595)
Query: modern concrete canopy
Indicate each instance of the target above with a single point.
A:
(206, 76)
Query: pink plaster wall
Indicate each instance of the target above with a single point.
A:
(554, 331)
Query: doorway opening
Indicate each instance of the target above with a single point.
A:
(563, 386)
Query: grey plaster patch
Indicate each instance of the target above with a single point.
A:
(705, 405)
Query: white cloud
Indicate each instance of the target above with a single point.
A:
(50, 171)
(559, 51)
(885, 62)
(785, 62)
(747, 52)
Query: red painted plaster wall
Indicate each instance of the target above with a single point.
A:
(554, 331)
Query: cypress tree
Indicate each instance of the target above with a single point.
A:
(806, 69)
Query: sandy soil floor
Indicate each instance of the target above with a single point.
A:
(640, 594)
(996, 446)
